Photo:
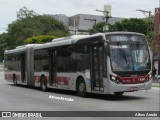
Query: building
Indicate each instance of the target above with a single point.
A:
(78, 24)
(63, 18)
(157, 24)
(157, 39)
(84, 22)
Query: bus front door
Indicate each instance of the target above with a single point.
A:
(97, 67)
(52, 70)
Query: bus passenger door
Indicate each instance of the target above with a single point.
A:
(52, 69)
(97, 67)
(23, 68)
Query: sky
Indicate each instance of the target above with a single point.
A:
(120, 8)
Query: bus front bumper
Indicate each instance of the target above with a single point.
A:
(113, 87)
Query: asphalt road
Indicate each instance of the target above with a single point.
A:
(22, 98)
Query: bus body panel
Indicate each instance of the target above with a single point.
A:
(31, 75)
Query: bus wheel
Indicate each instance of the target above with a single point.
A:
(14, 80)
(118, 93)
(81, 88)
(43, 84)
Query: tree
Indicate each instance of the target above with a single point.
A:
(97, 28)
(29, 24)
(131, 25)
(24, 12)
(3, 45)
(39, 39)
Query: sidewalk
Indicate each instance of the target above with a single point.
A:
(155, 83)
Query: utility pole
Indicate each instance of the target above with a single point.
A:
(107, 16)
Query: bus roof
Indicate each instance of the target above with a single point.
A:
(55, 42)
(68, 41)
(21, 48)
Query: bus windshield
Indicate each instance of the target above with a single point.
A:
(129, 56)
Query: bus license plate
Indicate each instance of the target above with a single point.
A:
(134, 88)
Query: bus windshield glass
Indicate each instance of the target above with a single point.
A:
(129, 54)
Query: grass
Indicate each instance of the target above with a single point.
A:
(1, 63)
(155, 85)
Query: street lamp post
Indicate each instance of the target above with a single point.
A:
(149, 12)
(107, 16)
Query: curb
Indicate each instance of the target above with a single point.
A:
(155, 85)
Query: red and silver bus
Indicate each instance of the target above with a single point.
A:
(103, 63)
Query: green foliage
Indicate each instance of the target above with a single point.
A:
(150, 37)
(34, 26)
(39, 39)
(131, 25)
(24, 12)
(30, 24)
(59, 33)
(97, 28)
(3, 45)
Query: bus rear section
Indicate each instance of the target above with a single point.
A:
(18, 65)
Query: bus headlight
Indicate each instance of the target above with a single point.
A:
(114, 79)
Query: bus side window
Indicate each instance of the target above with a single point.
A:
(45, 60)
(83, 57)
(61, 59)
(72, 59)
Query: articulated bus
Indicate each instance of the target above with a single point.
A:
(103, 63)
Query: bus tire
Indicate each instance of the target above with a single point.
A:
(14, 79)
(43, 84)
(81, 87)
(118, 93)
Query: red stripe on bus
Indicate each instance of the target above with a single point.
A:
(133, 80)
(18, 77)
(37, 79)
(8, 77)
(62, 80)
